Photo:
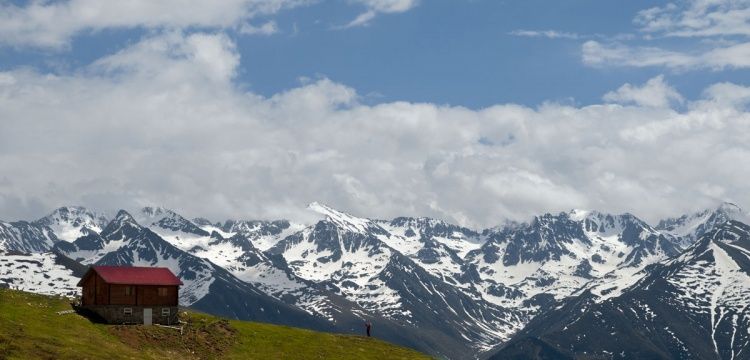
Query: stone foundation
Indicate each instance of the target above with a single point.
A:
(117, 314)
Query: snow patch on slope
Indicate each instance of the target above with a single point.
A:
(37, 273)
(71, 222)
(343, 220)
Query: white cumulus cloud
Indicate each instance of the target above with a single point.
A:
(697, 18)
(719, 30)
(165, 122)
(53, 24)
(734, 56)
(654, 93)
(550, 34)
(375, 7)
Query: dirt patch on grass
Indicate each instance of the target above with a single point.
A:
(201, 338)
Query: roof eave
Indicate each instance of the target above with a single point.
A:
(80, 282)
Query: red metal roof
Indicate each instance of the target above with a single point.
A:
(132, 275)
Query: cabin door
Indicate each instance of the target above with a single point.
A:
(146, 316)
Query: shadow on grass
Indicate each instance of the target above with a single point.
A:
(91, 316)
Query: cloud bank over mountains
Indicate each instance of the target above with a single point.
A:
(164, 121)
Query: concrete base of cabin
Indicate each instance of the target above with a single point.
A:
(127, 314)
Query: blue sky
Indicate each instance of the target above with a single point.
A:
(473, 111)
(440, 51)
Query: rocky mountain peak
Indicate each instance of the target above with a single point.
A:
(71, 222)
(124, 217)
(169, 220)
(154, 211)
(341, 219)
(121, 226)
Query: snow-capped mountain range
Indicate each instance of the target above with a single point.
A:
(693, 306)
(448, 290)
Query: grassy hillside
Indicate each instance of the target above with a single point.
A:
(31, 329)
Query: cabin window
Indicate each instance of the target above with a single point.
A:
(127, 311)
(162, 291)
(128, 290)
(164, 311)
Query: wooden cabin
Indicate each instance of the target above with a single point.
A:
(131, 295)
